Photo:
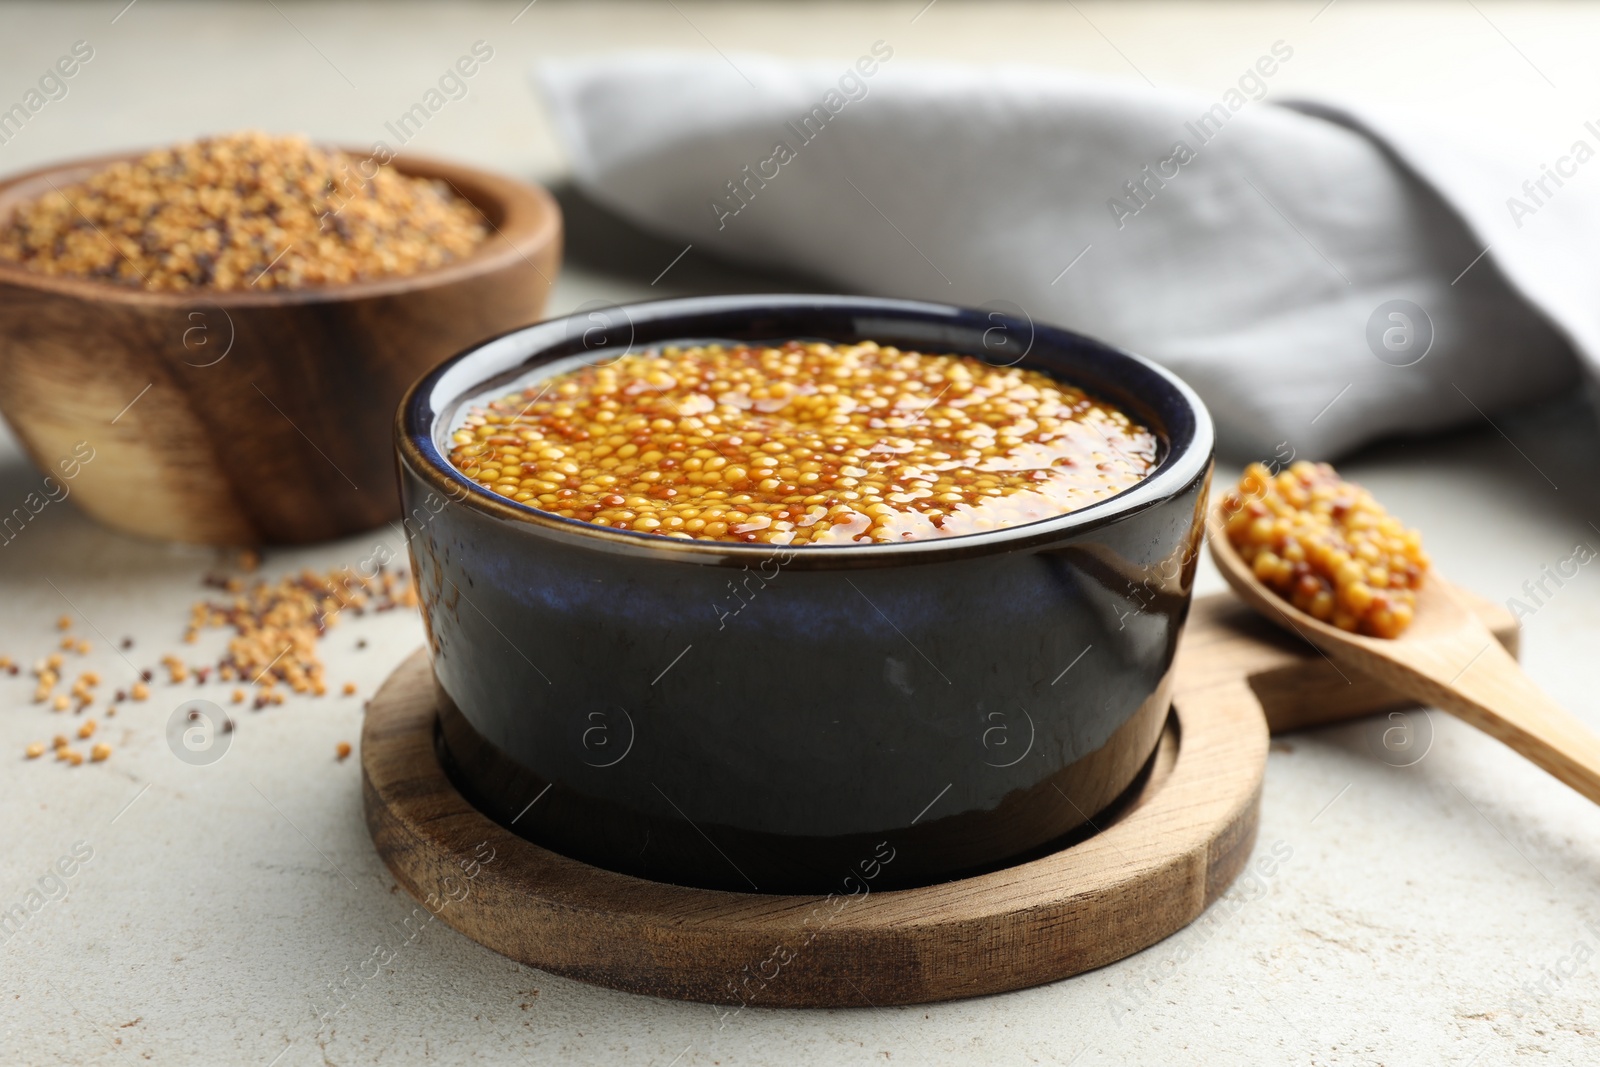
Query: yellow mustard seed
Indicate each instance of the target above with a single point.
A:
(101, 752)
(803, 443)
(278, 624)
(239, 211)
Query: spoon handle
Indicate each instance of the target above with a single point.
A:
(1486, 688)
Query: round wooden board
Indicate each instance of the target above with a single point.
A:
(1168, 854)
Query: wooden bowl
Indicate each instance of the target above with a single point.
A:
(254, 416)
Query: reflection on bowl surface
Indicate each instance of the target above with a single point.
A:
(755, 716)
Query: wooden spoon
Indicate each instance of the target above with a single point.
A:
(1446, 658)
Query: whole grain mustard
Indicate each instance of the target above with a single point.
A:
(1327, 546)
(802, 443)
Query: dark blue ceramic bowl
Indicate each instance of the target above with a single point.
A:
(751, 717)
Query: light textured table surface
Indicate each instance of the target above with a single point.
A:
(1443, 913)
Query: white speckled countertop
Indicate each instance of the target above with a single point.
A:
(1443, 913)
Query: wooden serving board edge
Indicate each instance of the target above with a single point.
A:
(1171, 854)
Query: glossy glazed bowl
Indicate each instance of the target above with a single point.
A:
(756, 718)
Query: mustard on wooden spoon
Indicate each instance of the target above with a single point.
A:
(1307, 550)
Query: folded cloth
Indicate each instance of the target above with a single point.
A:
(1317, 273)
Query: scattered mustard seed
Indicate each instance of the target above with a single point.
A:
(277, 624)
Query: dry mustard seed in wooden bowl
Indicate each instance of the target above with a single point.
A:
(243, 210)
(802, 443)
(1326, 546)
(225, 327)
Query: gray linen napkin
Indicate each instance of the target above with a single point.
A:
(1317, 273)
